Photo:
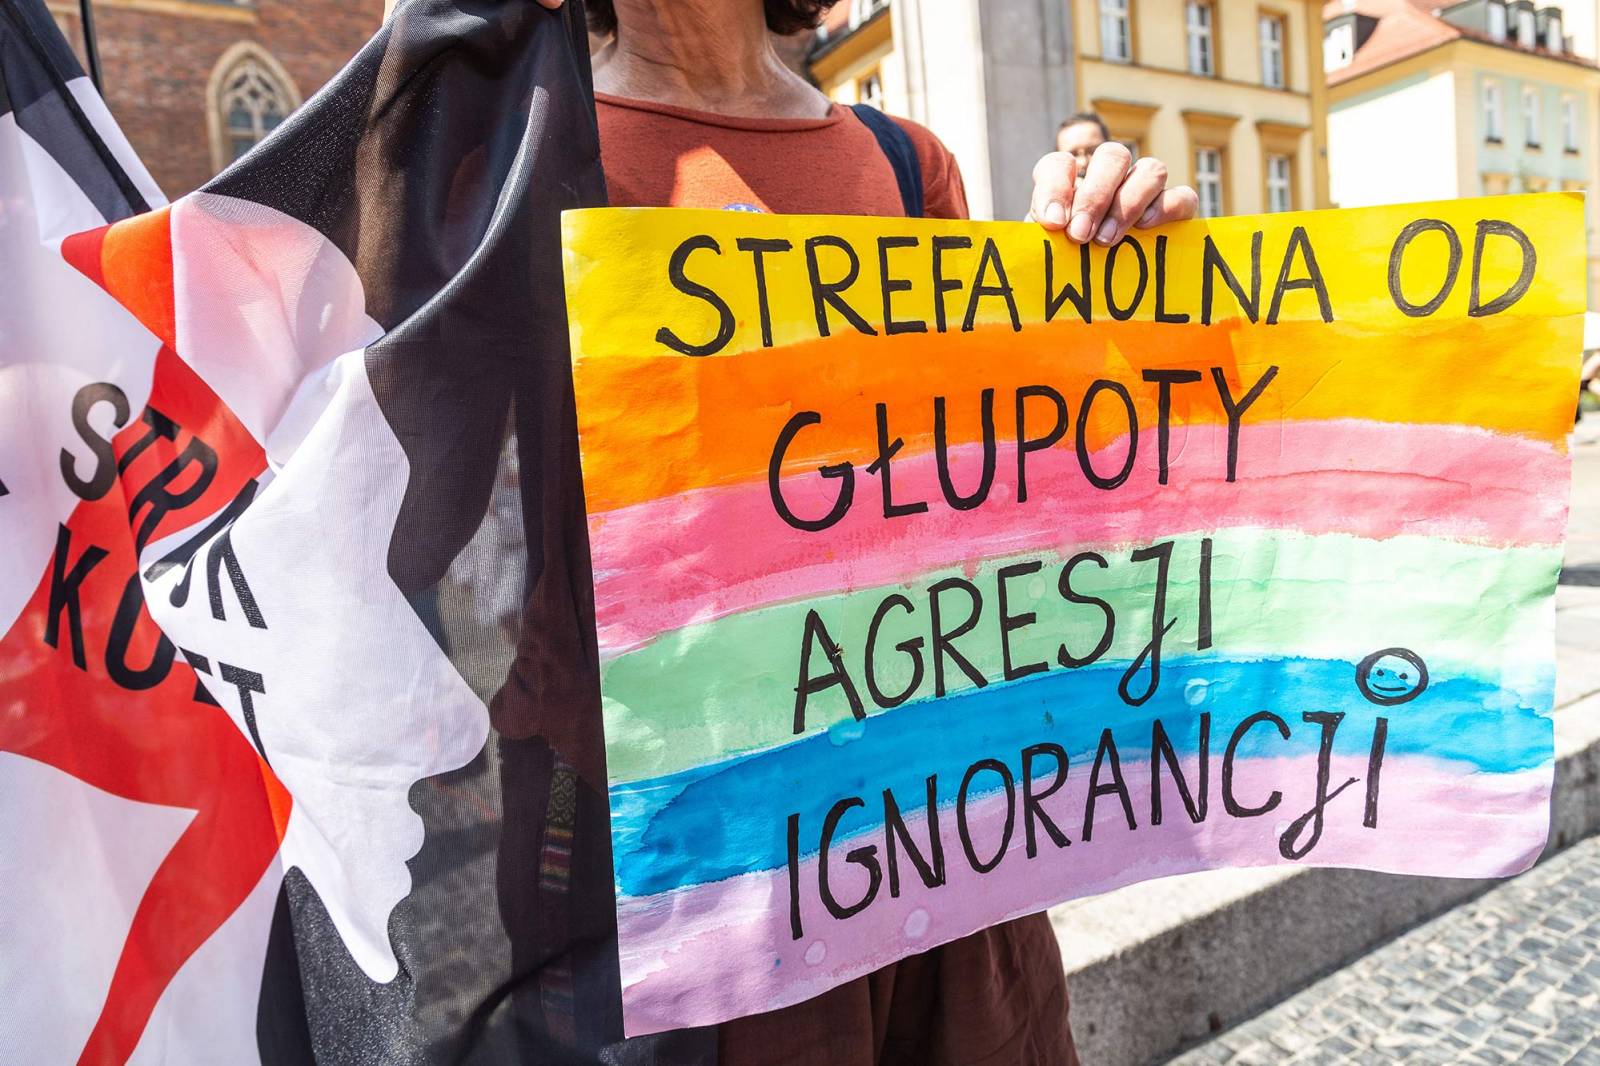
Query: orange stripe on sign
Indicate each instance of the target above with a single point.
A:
(653, 426)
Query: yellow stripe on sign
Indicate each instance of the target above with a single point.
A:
(669, 282)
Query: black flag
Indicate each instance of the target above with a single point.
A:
(299, 663)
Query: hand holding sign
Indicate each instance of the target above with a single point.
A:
(1116, 194)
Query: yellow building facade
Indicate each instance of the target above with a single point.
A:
(856, 55)
(1456, 115)
(1228, 93)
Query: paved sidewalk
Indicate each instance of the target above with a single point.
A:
(1512, 977)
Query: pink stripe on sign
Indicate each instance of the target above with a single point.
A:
(734, 954)
(716, 552)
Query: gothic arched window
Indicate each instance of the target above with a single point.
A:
(252, 107)
(251, 95)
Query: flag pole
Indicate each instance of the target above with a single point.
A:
(90, 47)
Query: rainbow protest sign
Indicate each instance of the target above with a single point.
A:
(945, 571)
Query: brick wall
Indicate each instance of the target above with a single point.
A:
(158, 57)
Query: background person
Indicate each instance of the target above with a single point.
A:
(1079, 135)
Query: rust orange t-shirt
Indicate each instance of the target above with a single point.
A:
(995, 998)
(656, 155)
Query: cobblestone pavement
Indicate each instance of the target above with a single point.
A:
(1511, 977)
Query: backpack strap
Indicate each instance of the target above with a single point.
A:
(902, 155)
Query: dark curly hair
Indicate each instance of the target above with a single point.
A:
(783, 16)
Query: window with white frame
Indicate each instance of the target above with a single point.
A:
(1116, 32)
(1271, 29)
(862, 10)
(869, 88)
(1530, 118)
(1208, 180)
(1280, 187)
(1553, 39)
(1527, 36)
(1569, 124)
(1198, 18)
(1497, 21)
(1491, 111)
(1339, 47)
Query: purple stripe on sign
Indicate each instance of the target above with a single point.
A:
(732, 950)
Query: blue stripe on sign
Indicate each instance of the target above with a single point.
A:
(717, 821)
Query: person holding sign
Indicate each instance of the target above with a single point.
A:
(696, 109)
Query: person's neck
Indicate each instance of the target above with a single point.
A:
(705, 55)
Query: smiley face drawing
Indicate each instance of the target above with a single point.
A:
(1392, 676)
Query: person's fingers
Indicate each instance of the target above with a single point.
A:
(1095, 193)
(1173, 205)
(1143, 185)
(1054, 177)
